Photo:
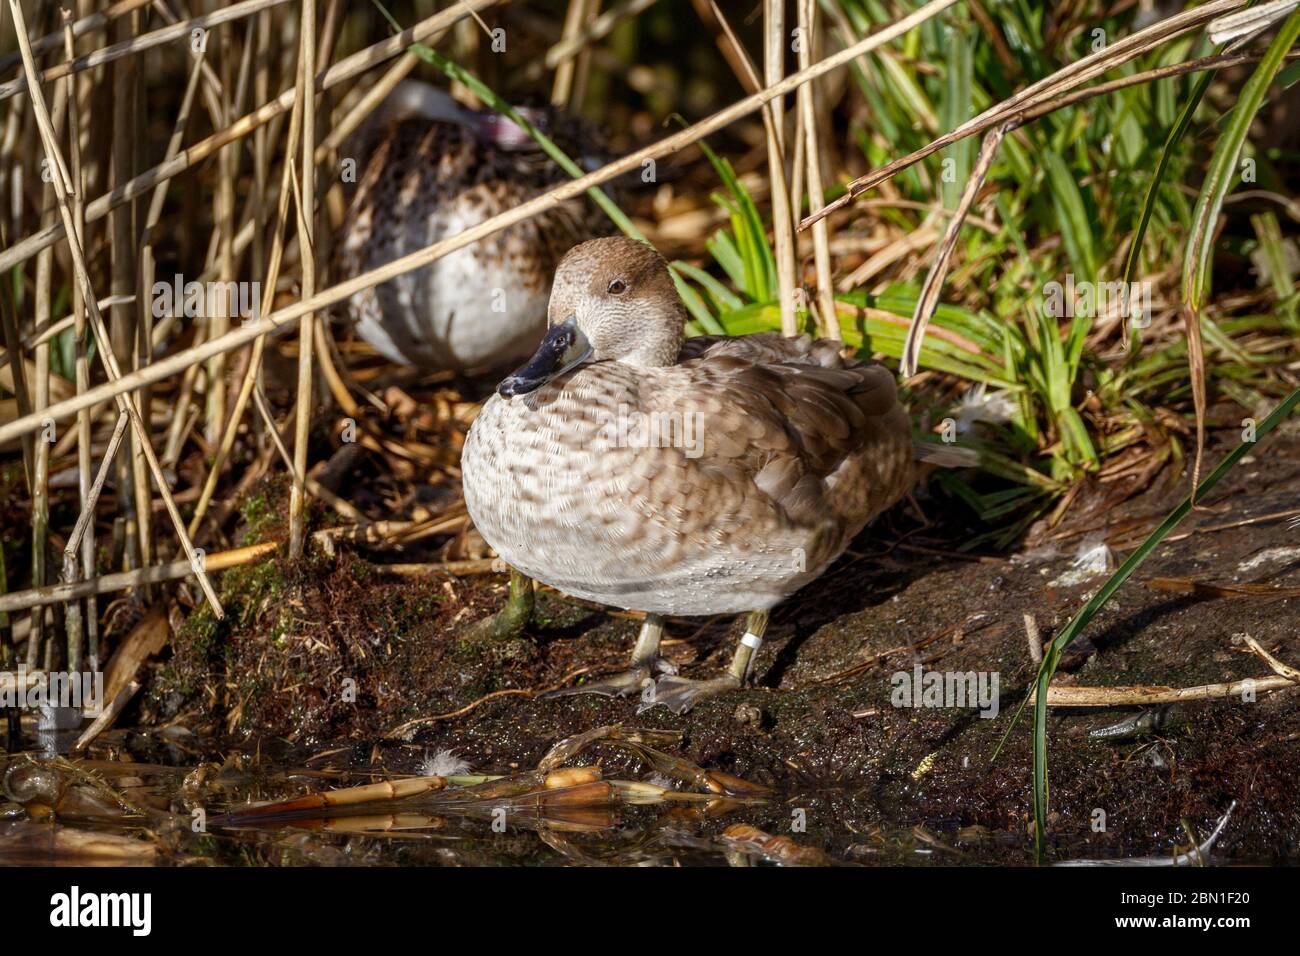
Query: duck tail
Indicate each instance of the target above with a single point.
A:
(944, 455)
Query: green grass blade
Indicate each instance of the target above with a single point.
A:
(1153, 187)
(1197, 258)
(1072, 214)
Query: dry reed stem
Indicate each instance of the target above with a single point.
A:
(1071, 695)
(261, 145)
(1038, 93)
(562, 87)
(74, 624)
(121, 580)
(283, 319)
(93, 23)
(597, 28)
(62, 186)
(86, 519)
(929, 297)
(345, 69)
(728, 46)
(828, 318)
(106, 716)
(41, 396)
(223, 220)
(138, 44)
(383, 791)
(132, 486)
(79, 93)
(782, 224)
(306, 205)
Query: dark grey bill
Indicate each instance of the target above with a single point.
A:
(563, 347)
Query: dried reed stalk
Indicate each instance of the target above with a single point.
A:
(562, 87)
(120, 580)
(82, 26)
(345, 69)
(139, 43)
(306, 330)
(827, 317)
(62, 187)
(782, 229)
(929, 297)
(41, 396)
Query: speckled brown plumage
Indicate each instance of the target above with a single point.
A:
(797, 449)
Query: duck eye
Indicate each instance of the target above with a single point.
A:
(617, 287)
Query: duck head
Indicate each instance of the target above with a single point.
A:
(613, 300)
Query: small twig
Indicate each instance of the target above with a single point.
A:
(402, 730)
(1279, 668)
(106, 716)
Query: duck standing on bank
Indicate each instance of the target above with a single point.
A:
(627, 466)
(432, 169)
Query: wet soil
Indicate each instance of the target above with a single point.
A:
(317, 665)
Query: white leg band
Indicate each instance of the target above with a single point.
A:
(752, 640)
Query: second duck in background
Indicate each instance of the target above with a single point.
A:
(430, 169)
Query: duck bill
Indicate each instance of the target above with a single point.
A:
(563, 347)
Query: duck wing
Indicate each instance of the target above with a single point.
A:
(821, 437)
(767, 348)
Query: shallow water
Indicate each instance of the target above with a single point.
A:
(172, 810)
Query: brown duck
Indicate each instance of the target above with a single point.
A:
(716, 475)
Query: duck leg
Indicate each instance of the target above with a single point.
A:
(510, 621)
(679, 694)
(645, 656)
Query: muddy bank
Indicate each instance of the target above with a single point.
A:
(335, 653)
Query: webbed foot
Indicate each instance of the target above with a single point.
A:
(634, 680)
(679, 694)
(630, 681)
